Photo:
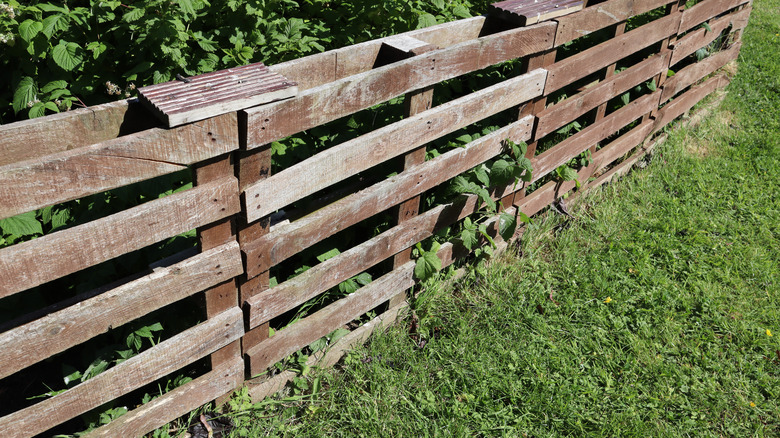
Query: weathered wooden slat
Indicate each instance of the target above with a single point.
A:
(683, 103)
(158, 361)
(549, 160)
(315, 70)
(331, 101)
(694, 72)
(169, 406)
(693, 41)
(562, 113)
(525, 12)
(591, 60)
(705, 10)
(289, 239)
(30, 139)
(68, 175)
(22, 266)
(56, 332)
(215, 93)
(621, 146)
(601, 15)
(349, 158)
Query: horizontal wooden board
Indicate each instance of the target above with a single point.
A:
(364, 152)
(289, 239)
(560, 114)
(601, 15)
(564, 151)
(694, 72)
(591, 60)
(22, 265)
(172, 405)
(154, 363)
(212, 94)
(693, 41)
(705, 10)
(71, 326)
(524, 12)
(683, 103)
(321, 68)
(64, 176)
(622, 145)
(331, 101)
(34, 138)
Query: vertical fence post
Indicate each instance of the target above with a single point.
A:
(666, 47)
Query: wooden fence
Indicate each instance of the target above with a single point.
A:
(254, 226)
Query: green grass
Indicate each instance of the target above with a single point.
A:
(647, 316)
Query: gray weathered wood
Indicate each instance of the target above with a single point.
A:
(591, 60)
(176, 403)
(154, 363)
(705, 10)
(30, 139)
(289, 239)
(694, 72)
(47, 258)
(565, 112)
(345, 96)
(63, 176)
(601, 15)
(56, 332)
(349, 158)
(549, 160)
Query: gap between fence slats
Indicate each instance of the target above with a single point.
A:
(693, 41)
(287, 240)
(364, 152)
(71, 326)
(683, 103)
(694, 72)
(86, 245)
(337, 99)
(64, 176)
(705, 10)
(154, 363)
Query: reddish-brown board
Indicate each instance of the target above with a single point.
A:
(705, 10)
(694, 72)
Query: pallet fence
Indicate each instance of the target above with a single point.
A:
(604, 65)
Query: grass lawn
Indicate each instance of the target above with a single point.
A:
(655, 313)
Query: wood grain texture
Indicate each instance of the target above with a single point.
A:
(705, 10)
(176, 403)
(80, 247)
(35, 138)
(588, 61)
(686, 101)
(289, 239)
(699, 38)
(345, 96)
(56, 332)
(694, 72)
(549, 160)
(68, 175)
(364, 152)
(562, 113)
(154, 363)
(601, 15)
(524, 12)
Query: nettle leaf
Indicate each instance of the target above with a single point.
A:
(60, 218)
(47, 7)
(25, 92)
(328, 255)
(652, 86)
(349, 286)
(54, 85)
(319, 344)
(482, 175)
(438, 3)
(465, 138)
(426, 20)
(507, 224)
(133, 14)
(566, 173)
(469, 238)
(51, 106)
(338, 334)
(502, 172)
(427, 265)
(67, 55)
(363, 278)
(37, 110)
(461, 11)
(24, 224)
(53, 23)
(625, 98)
(28, 29)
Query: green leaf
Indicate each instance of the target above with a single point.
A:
(501, 173)
(651, 85)
(25, 92)
(328, 255)
(278, 148)
(47, 7)
(707, 26)
(669, 73)
(469, 238)
(566, 173)
(53, 23)
(67, 55)
(427, 265)
(439, 4)
(338, 334)
(461, 11)
(51, 106)
(319, 344)
(465, 138)
(363, 278)
(482, 175)
(60, 218)
(426, 20)
(54, 85)
(507, 224)
(133, 14)
(349, 286)
(523, 217)
(625, 98)
(28, 29)
(37, 110)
